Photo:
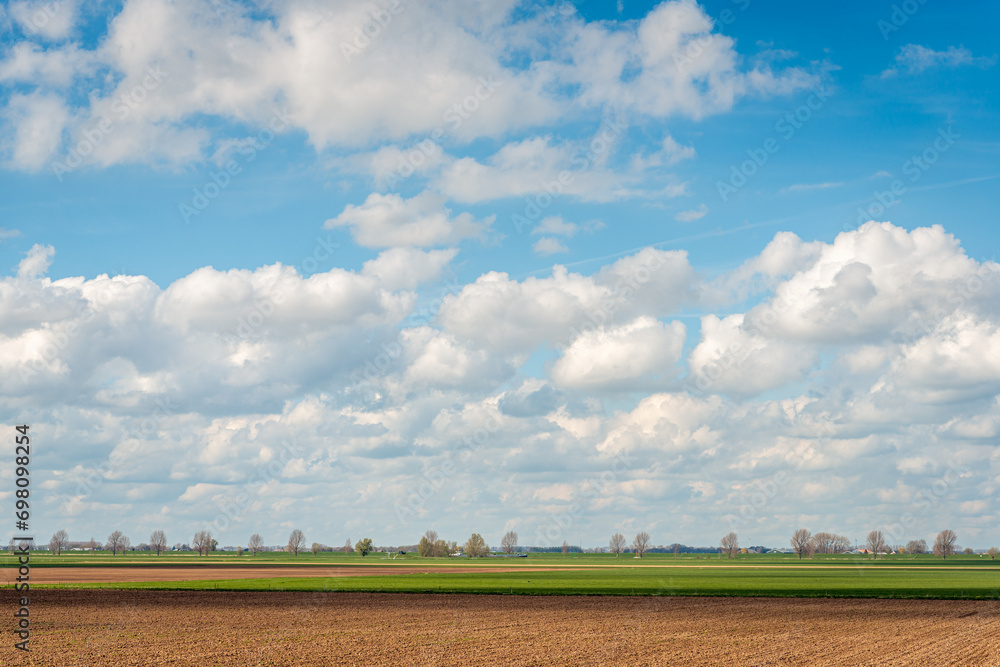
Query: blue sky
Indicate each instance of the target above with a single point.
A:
(702, 239)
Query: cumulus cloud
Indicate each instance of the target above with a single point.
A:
(516, 389)
(385, 221)
(406, 268)
(308, 62)
(731, 360)
(635, 355)
(505, 314)
(870, 283)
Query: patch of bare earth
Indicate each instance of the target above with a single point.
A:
(286, 628)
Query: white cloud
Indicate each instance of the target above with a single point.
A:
(692, 214)
(37, 261)
(631, 356)
(30, 63)
(32, 131)
(51, 20)
(406, 268)
(731, 360)
(302, 57)
(870, 282)
(669, 154)
(556, 226)
(505, 314)
(384, 221)
(225, 376)
(533, 167)
(682, 67)
(548, 245)
(914, 59)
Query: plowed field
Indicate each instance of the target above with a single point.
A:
(208, 628)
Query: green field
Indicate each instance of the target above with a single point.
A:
(966, 577)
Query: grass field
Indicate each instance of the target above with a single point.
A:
(960, 577)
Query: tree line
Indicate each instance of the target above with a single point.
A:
(803, 543)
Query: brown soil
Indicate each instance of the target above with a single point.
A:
(207, 628)
(93, 575)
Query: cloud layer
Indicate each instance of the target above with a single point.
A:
(869, 370)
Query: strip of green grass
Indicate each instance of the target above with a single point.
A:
(77, 559)
(861, 582)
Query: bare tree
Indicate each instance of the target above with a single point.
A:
(830, 543)
(944, 544)
(476, 547)
(801, 542)
(158, 542)
(876, 543)
(296, 541)
(992, 553)
(348, 549)
(316, 548)
(255, 544)
(617, 544)
(59, 541)
(203, 542)
(640, 544)
(730, 545)
(565, 548)
(117, 542)
(509, 542)
(916, 547)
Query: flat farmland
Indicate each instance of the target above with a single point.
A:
(918, 579)
(90, 627)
